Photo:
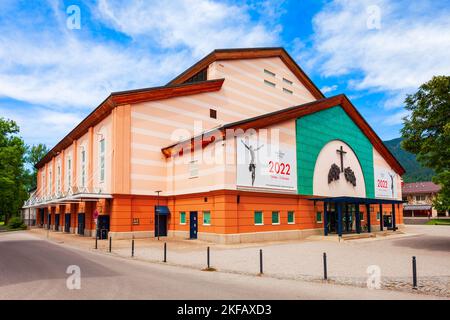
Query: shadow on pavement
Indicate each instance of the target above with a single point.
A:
(30, 260)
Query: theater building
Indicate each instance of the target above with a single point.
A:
(240, 147)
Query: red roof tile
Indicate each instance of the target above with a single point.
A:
(420, 187)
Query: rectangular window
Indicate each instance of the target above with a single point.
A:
(319, 217)
(378, 215)
(287, 91)
(83, 168)
(271, 84)
(258, 218)
(270, 73)
(213, 114)
(206, 218)
(69, 172)
(43, 183)
(275, 217)
(291, 217)
(58, 180)
(102, 160)
(182, 217)
(287, 81)
(50, 182)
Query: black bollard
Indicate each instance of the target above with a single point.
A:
(261, 261)
(207, 257)
(165, 252)
(132, 248)
(110, 244)
(414, 269)
(325, 273)
(96, 240)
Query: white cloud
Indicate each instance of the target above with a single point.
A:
(71, 71)
(327, 89)
(199, 25)
(396, 118)
(41, 125)
(411, 46)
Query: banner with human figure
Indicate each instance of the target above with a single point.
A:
(266, 166)
(385, 183)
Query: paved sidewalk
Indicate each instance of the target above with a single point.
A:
(347, 261)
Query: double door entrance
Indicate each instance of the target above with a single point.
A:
(102, 227)
(348, 216)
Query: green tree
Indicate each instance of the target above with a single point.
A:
(12, 171)
(34, 155)
(426, 132)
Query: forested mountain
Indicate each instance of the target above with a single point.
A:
(414, 171)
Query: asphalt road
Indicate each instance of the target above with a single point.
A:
(32, 268)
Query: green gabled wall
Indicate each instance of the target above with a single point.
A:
(314, 131)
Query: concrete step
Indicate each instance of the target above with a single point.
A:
(356, 236)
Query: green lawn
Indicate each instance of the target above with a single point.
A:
(439, 222)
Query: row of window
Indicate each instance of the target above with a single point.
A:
(259, 217)
(206, 218)
(273, 85)
(83, 170)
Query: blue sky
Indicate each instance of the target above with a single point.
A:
(52, 76)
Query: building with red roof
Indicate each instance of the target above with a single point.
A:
(419, 196)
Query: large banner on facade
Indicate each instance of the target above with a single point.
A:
(385, 183)
(262, 165)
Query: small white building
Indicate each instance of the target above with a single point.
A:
(28, 214)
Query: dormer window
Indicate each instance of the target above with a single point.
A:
(200, 76)
(270, 84)
(289, 82)
(270, 73)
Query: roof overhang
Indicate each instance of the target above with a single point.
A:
(129, 97)
(417, 207)
(286, 114)
(70, 199)
(356, 200)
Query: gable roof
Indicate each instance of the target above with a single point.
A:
(128, 97)
(420, 187)
(293, 113)
(250, 53)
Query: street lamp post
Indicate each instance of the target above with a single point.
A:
(157, 211)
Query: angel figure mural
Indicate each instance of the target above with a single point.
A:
(252, 165)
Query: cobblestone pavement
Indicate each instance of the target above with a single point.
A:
(347, 261)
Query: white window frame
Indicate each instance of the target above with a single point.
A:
(43, 187)
(83, 167)
(69, 172)
(262, 217)
(278, 215)
(58, 178)
(185, 218)
(293, 214)
(50, 184)
(321, 217)
(203, 216)
(101, 161)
